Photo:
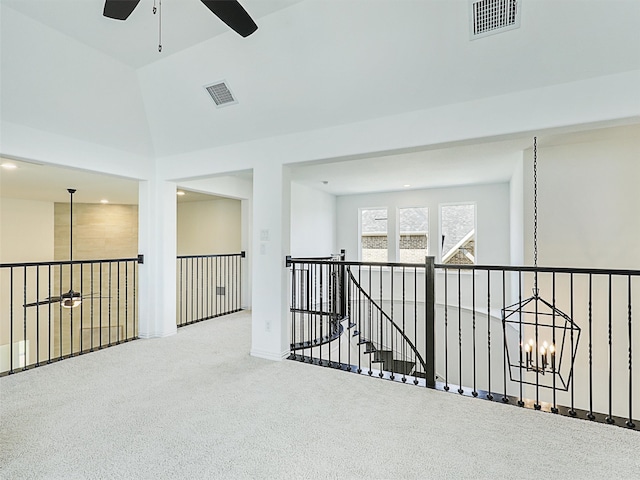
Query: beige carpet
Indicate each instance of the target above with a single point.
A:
(196, 405)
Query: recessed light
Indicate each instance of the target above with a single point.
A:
(406, 185)
(9, 166)
(180, 192)
(104, 200)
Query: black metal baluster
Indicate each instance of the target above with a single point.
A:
(60, 331)
(536, 405)
(217, 284)
(473, 313)
(135, 303)
(180, 291)
(203, 290)
(380, 322)
(192, 293)
(629, 422)
(341, 312)
(71, 312)
(590, 415)
(24, 319)
(446, 329)
(370, 340)
(505, 398)
(126, 301)
(460, 390)
(11, 317)
(489, 394)
(391, 344)
(91, 309)
(240, 270)
(37, 318)
(520, 400)
(118, 304)
(81, 306)
(404, 330)
(50, 336)
(572, 410)
(321, 312)
(415, 321)
(360, 336)
(554, 408)
(294, 305)
(609, 418)
(100, 314)
(109, 303)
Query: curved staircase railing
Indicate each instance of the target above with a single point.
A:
(385, 342)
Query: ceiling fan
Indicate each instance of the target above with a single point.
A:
(70, 299)
(229, 11)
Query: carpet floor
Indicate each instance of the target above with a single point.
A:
(197, 405)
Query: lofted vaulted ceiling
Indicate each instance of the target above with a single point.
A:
(312, 64)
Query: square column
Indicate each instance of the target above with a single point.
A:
(157, 242)
(271, 243)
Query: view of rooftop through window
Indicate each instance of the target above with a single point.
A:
(457, 226)
(414, 231)
(374, 241)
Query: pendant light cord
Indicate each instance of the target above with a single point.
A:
(535, 212)
(535, 202)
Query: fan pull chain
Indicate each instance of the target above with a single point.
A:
(158, 10)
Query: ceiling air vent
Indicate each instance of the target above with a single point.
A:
(221, 94)
(493, 16)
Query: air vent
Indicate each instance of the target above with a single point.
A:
(221, 94)
(493, 16)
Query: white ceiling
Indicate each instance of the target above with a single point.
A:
(312, 64)
(49, 183)
(134, 42)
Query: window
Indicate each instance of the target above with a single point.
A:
(373, 241)
(414, 234)
(458, 229)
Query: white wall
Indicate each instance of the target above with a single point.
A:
(588, 201)
(492, 217)
(209, 227)
(26, 231)
(313, 222)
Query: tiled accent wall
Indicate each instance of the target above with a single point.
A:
(99, 231)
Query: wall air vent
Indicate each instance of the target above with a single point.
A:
(488, 17)
(221, 94)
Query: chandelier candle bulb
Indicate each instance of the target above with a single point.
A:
(543, 355)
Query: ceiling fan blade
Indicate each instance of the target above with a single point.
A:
(43, 302)
(119, 9)
(232, 13)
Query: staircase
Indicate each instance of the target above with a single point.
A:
(328, 298)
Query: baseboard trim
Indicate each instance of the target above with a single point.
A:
(147, 335)
(269, 355)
